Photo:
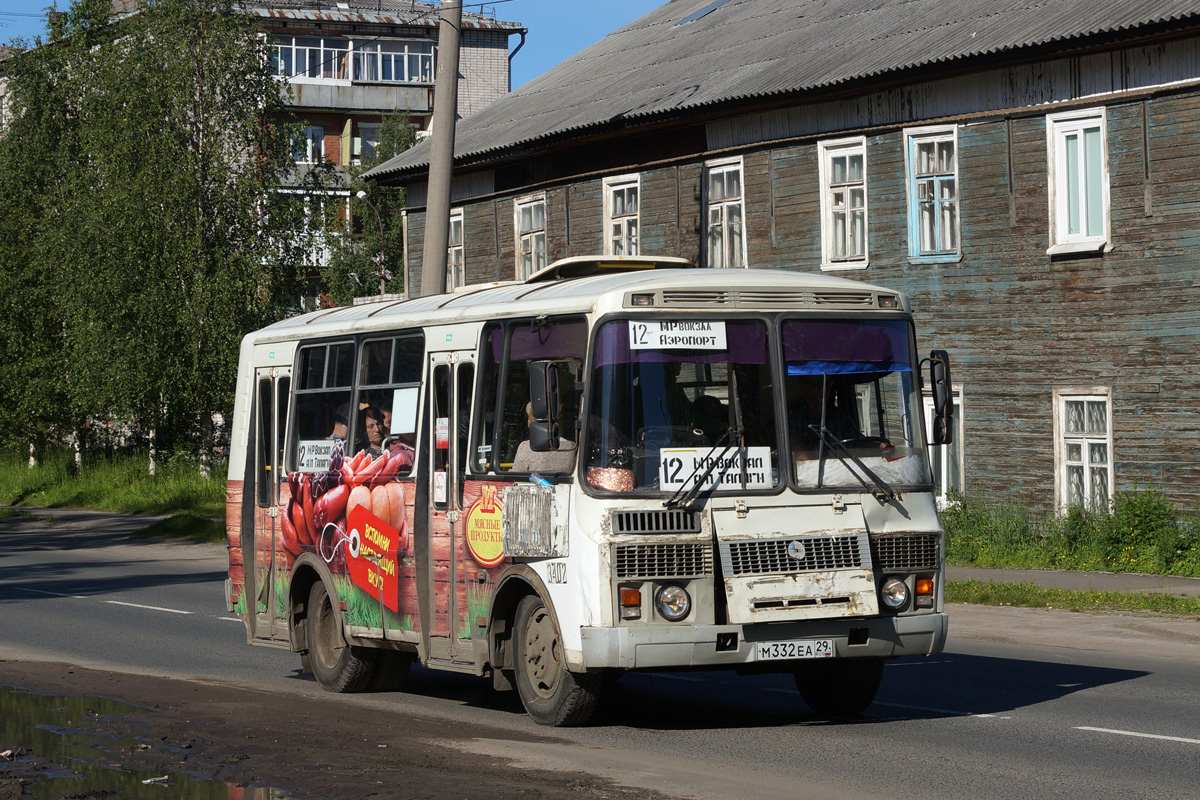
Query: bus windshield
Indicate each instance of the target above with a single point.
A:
(852, 402)
(691, 405)
(670, 396)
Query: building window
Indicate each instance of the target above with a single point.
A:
(931, 156)
(1083, 448)
(843, 175)
(725, 229)
(1078, 163)
(394, 62)
(309, 57)
(946, 460)
(621, 215)
(310, 145)
(368, 140)
(530, 225)
(455, 269)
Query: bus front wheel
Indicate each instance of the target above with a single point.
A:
(337, 666)
(551, 694)
(839, 687)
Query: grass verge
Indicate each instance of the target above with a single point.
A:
(122, 483)
(119, 483)
(1142, 532)
(1027, 595)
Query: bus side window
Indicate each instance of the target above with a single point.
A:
(264, 478)
(440, 435)
(562, 339)
(491, 352)
(389, 377)
(322, 400)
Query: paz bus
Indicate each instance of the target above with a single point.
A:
(620, 464)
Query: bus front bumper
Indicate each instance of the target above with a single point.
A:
(681, 646)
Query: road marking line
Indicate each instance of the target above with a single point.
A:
(56, 594)
(940, 710)
(150, 608)
(231, 619)
(1139, 735)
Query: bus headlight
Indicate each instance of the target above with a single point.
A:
(672, 602)
(894, 593)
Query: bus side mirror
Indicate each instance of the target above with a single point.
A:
(943, 397)
(543, 405)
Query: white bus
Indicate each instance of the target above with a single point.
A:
(620, 464)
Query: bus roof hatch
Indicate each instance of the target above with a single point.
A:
(583, 266)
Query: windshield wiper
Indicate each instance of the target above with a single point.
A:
(738, 428)
(699, 478)
(883, 492)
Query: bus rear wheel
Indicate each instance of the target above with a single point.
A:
(551, 694)
(839, 687)
(337, 666)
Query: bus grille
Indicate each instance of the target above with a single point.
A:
(767, 556)
(656, 522)
(664, 560)
(906, 552)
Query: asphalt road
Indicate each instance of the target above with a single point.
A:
(1025, 703)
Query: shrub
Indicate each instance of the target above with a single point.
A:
(1142, 533)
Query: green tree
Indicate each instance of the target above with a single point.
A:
(152, 231)
(354, 262)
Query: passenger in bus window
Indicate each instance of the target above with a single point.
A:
(376, 430)
(553, 461)
(341, 422)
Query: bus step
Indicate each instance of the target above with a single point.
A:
(466, 667)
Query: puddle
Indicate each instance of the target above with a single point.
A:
(50, 744)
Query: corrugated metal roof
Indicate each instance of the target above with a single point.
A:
(379, 12)
(658, 65)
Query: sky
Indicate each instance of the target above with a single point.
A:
(557, 28)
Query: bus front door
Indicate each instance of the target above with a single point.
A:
(266, 563)
(451, 385)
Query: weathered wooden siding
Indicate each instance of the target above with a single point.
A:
(1017, 322)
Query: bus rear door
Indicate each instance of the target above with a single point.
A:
(266, 572)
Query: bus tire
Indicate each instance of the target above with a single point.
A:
(337, 666)
(551, 694)
(839, 687)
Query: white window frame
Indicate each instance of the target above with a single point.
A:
(730, 256)
(311, 148)
(630, 223)
(941, 454)
(1061, 436)
(393, 60)
(914, 138)
(365, 128)
(826, 152)
(323, 53)
(1059, 127)
(456, 270)
(533, 237)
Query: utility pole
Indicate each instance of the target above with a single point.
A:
(441, 157)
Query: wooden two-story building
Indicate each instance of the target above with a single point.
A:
(1027, 172)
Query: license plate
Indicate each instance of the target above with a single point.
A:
(795, 648)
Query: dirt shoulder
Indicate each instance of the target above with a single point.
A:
(308, 748)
